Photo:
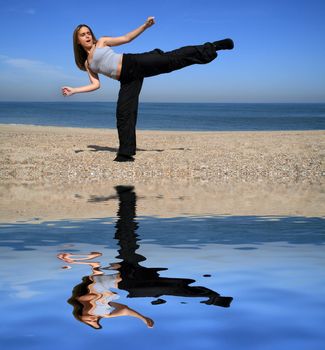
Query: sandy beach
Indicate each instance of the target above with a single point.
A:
(50, 173)
(37, 154)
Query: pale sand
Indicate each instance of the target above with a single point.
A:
(34, 154)
(63, 173)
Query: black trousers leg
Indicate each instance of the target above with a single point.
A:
(126, 115)
(157, 62)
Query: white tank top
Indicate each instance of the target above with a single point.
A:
(102, 284)
(105, 61)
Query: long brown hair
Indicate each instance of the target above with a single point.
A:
(80, 55)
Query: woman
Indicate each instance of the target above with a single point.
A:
(96, 56)
(92, 299)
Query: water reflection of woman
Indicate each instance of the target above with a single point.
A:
(142, 281)
(93, 299)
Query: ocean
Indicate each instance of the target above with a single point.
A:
(171, 116)
(204, 282)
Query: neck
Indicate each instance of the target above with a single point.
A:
(89, 49)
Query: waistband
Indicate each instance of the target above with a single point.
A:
(126, 65)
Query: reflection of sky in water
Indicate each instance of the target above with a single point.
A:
(273, 267)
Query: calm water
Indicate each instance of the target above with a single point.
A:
(170, 116)
(210, 282)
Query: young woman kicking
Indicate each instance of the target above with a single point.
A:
(97, 57)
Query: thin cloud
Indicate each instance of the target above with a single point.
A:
(30, 65)
(30, 11)
(35, 67)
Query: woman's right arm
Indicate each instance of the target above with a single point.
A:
(94, 84)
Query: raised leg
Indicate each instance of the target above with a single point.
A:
(158, 62)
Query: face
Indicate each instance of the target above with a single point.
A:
(85, 38)
(91, 320)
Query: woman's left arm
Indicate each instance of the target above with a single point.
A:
(120, 40)
(94, 84)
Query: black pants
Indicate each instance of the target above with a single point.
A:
(136, 67)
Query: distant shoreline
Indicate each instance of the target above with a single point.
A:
(20, 125)
(179, 102)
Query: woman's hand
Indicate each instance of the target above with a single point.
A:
(150, 22)
(67, 91)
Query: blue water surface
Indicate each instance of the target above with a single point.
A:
(171, 116)
(208, 282)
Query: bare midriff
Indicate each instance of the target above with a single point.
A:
(119, 68)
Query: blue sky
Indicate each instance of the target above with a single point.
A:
(279, 54)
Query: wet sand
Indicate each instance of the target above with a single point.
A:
(52, 173)
(37, 203)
